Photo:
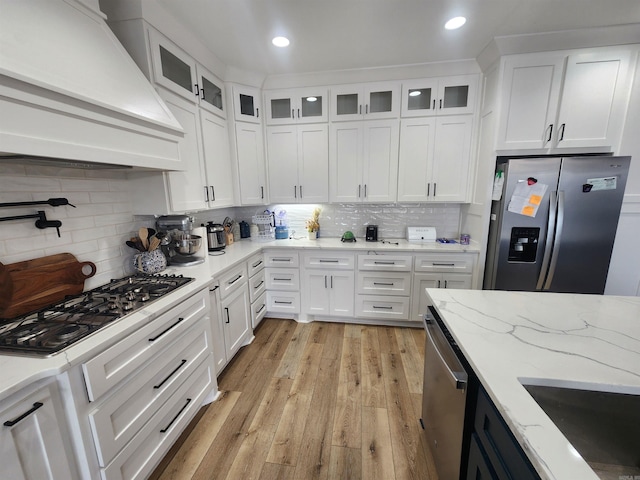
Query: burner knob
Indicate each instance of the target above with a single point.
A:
(126, 306)
(145, 297)
(113, 305)
(130, 296)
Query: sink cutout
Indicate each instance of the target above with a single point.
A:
(604, 427)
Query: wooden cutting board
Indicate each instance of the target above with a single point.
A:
(31, 285)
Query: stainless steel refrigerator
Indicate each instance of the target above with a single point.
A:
(560, 241)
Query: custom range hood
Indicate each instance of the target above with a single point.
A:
(70, 91)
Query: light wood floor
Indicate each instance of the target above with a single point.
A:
(312, 401)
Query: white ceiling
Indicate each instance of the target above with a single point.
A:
(344, 34)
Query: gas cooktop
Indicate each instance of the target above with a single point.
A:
(54, 328)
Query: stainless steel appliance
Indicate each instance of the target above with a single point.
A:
(567, 245)
(216, 237)
(179, 244)
(372, 233)
(54, 328)
(444, 399)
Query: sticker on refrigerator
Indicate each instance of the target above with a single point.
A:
(527, 197)
(604, 183)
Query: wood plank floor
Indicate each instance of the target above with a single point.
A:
(312, 401)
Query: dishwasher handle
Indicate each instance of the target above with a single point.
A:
(446, 355)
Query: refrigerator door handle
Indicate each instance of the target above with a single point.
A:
(556, 240)
(553, 210)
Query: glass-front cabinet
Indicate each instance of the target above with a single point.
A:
(365, 102)
(246, 104)
(439, 96)
(176, 71)
(303, 105)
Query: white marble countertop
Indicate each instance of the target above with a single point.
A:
(20, 371)
(567, 340)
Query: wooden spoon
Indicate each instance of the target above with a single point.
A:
(154, 243)
(143, 233)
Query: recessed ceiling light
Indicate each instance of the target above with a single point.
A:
(280, 41)
(455, 22)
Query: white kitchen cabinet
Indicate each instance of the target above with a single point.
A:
(236, 319)
(452, 95)
(368, 101)
(328, 283)
(300, 105)
(560, 100)
(363, 161)
(298, 157)
(246, 104)
(251, 165)
(217, 330)
(175, 70)
(282, 277)
(435, 157)
(219, 191)
(34, 440)
(257, 288)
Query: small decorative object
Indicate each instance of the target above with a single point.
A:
(465, 239)
(313, 224)
(150, 262)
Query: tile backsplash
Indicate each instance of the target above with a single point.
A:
(96, 230)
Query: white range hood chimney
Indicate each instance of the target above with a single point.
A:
(69, 90)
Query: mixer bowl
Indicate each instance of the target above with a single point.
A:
(188, 245)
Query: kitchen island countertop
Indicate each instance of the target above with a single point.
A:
(565, 340)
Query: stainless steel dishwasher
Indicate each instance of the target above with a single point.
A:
(443, 399)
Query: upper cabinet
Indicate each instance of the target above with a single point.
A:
(555, 101)
(300, 105)
(365, 101)
(453, 95)
(246, 104)
(178, 72)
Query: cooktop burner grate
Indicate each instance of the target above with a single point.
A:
(54, 328)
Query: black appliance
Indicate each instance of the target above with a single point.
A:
(58, 326)
(216, 237)
(372, 233)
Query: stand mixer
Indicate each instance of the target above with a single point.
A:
(179, 245)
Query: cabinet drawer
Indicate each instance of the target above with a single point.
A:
(255, 264)
(232, 280)
(282, 279)
(390, 283)
(117, 420)
(453, 263)
(338, 261)
(106, 369)
(257, 285)
(141, 455)
(281, 259)
(369, 306)
(385, 263)
(258, 309)
(283, 302)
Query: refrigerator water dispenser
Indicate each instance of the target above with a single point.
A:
(523, 245)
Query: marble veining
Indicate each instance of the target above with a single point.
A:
(577, 341)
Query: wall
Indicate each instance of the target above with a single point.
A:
(96, 230)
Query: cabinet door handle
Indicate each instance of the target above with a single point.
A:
(255, 265)
(360, 111)
(235, 280)
(358, 191)
(214, 288)
(385, 262)
(331, 281)
(280, 259)
(226, 309)
(293, 113)
(11, 423)
(434, 189)
(257, 113)
(366, 109)
(445, 284)
(206, 193)
(262, 307)
(428, 185)
(300, 191)
(383, 307)
(434, 104)
(325, 281)
(295, 191)
(562, 132)
(213, 193)
(298, 113)
(282, 279)
(171, 374)
(383, 283)
(176, 417)
(325, 260)
(550, 129)
(443, 264)
(365, 190)
(284, 303)
(181, 319)
(440, 104)
(438, 283)
(202, 93)
(197, 90)
(259, 285)
(261, 192)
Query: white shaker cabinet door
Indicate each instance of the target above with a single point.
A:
(251, 166)
(380, 176)
(417, 138)
(282, 151)
(451, 158)
(345, 162)
(313, 163)
(219, 181)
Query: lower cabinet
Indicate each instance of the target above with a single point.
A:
(236, 316)
(33, 439)
(257, 288)
(328, 292)
(282, 278)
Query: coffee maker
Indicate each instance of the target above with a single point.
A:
(179, 244)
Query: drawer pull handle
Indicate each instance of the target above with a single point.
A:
(377, 262)
(235, 279)
(255, 265)
(176, 417)
(444, 264)
(383, 307)
(226, 309)
(261, 308)
(280, 259)
(383, 283)
(166, 330)
(282, 279)
(323, 260)
(170, 375)
(11, 423)
(214, 288)
(259, 285)
(285, 303)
